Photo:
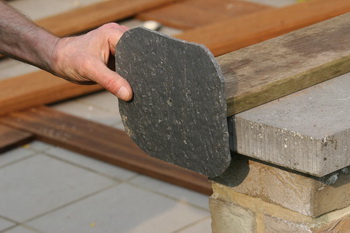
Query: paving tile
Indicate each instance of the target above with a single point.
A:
(203, 226)
(88, 112)
(48, 7)
(11, 68)
(123, 209)
(39, 184)
(38, 146)
(20, 229)
(103, 100)
(14, 155)
(5, 224)
(93, 164)
(173, 191)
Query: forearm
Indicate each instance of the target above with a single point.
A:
(23, 40)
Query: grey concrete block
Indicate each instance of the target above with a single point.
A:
(308, 131)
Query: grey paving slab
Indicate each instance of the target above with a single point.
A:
(11, 68)
(123, 209)
(92, 164)
(38, 146)
(14, 155)
(308, 131)
(48, 7)
(20, 229)
(103, 100)
(87, 111)
(176, 192)
(39, 184)
(5, 224)
(203, 226)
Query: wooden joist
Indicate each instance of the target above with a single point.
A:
(101, 142)
(10, 138)
(269, 70)
(236, 33)
(94, 15)
(191, 14)
(37, 88)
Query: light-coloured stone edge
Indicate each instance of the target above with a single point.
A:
(293, 150)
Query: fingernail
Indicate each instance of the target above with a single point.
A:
(123, 93)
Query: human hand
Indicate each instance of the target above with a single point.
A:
(83, 59)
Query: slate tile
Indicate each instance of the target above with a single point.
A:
(93, 164)
(173, 191)
(123, 209)
(39, 184)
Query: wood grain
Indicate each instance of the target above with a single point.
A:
(269, 70)
(191, 14)
(37, 88)
(92, 16)
(101, 142)
(10, 138)
(232, 34)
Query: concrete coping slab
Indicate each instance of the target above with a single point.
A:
(308, 131)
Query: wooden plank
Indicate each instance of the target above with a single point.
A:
(94, 15)
(101, 142)
(38, 88)
(269, 70)
(196, 13)
(10, 138)
(232, 34)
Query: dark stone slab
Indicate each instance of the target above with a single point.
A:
(178, 113)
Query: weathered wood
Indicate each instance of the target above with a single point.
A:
(196, 13)
(101, 142)
(91, 16)
(36, 89)
(10, 138)
(236, 33)
(278, 67)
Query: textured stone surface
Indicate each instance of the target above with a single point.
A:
(311, 196)
(308, 131)
(178, 113)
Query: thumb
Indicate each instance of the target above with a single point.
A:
(112, 82)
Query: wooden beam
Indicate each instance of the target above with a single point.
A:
(94, 15)
(37, 88)
(191, 14)
(10, 138)
(236, 33)
(101, 142)
(269, 70)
